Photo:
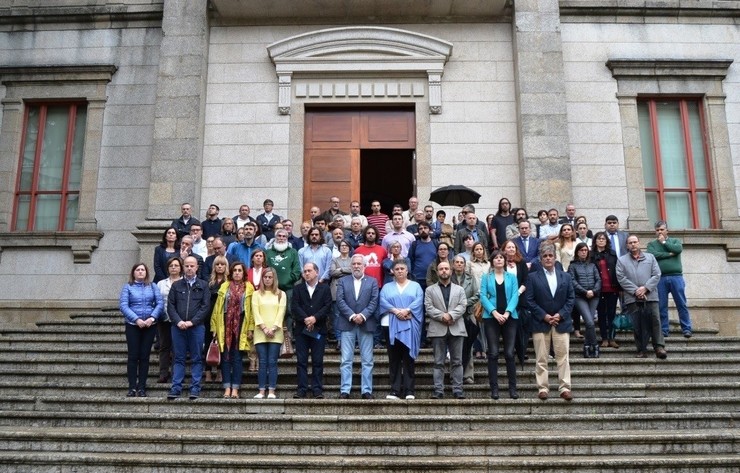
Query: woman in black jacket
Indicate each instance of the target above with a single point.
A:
(605, 259)
(587, 286)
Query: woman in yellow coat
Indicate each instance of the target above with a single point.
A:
(268, 307)
(232, 325)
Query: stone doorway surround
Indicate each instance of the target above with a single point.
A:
(358, 66)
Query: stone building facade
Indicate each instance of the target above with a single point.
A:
(540, 101)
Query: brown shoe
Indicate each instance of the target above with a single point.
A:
(661, 353)
(613, 344)
(578, 334)
(542, 395)
(641, 354)
(566, 395)
(604, 343)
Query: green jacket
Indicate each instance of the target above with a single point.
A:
(286, 265)
(668, 255)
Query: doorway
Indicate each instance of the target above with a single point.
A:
(386, 175)
(358, 155)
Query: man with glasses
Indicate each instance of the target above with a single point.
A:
(550, 297)
(219, 249)
(639, 273)
(332, 211)
(294, 241)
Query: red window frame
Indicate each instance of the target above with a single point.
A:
(34, 192)
(692, 189)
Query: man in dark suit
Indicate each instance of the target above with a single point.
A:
(357, 300)
(550, 297)
(528, 246)
(219, 249)
(310, 307)
(617, 237)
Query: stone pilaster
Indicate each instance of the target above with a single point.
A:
(180, 108)
(542, 120)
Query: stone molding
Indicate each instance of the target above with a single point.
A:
(81, 244)
(370, 51)
(678, 77)
(628, 10)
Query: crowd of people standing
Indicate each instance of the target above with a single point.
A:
(400, 282)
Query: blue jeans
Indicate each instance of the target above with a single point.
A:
(267, 373)
(184, 342)
(304, 343)
(674, 285)
(232, 367)
(365, 340)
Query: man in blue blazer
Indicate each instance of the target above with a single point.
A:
(550, 297)
(357, 300)
(527, 245)
(310, 306)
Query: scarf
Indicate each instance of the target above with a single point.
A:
(233, 314)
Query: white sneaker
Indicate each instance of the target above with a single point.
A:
(271, 396)
(259, 396)
(392, 396)
(410, 397)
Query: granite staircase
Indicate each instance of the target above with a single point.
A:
(63, 409)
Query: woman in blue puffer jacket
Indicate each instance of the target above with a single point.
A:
(142, 306)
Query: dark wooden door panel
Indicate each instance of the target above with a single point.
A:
(387, 130)
(332, 130)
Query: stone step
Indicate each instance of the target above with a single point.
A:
(191, 417)
(95, 372)
(356, 406)
(13, 461)
(370, 444)
(116, 388)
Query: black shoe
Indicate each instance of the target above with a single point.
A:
(318, 396)
(131, 393)
(171, 396)
(163, 379)
(299, 395)
(513, 394)
(494, 392)
(459, 396)
(368, 396)
(437, 396)
(142, 393)
(193, 397)
(343, 396)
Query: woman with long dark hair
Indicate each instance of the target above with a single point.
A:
(142, 306)
(233, 326)
(605, 259)
(167, 248)
(587, 286)
(174, 268)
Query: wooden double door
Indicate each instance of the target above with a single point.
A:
(334, 161)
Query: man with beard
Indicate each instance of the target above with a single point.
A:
(373, 254)
(422, 253)
(357, 299)
(211, 224)
(551, 230)
(294, 241)
(318, 253)
(283, 258)
(445, 305)
(501, 220)
(243, 250)
(377, 219)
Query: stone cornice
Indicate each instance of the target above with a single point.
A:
(82, 244)
(57, 73)
(38, 13)
(724, 9)
(712, 68)
(729, 240)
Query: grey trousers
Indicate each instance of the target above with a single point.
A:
(454, 345)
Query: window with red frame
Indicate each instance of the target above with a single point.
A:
(675, 162)
(50, 167)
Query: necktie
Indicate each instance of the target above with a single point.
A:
(526, 244)
(614, 244)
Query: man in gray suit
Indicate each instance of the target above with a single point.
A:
(357, 300)
(445, 305)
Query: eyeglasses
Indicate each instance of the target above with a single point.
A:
(547, 256)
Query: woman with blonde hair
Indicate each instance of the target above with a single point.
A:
(232, 325)
(565, 245)
(219, 275)
(268, 310)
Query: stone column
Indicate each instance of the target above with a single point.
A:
(177, 154)
(543, 123)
